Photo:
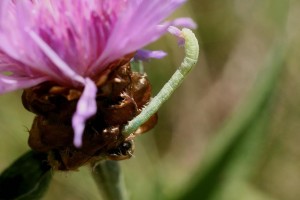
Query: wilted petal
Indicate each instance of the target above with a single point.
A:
(86, 108)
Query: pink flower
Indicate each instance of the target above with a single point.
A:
(71, 42)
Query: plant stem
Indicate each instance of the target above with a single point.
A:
(108, 177)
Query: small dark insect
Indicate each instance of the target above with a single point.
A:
(122, 152)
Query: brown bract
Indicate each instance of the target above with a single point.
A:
(120, 97)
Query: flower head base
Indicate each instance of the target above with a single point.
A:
(118, 100)
(72, 48)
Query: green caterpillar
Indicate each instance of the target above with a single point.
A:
(190, 60)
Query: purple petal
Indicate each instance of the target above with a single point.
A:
(80, 36)
(63, 67)
(9, 83)
(139, 25)
(15, 43)
(145, 55)
(86, 108)
(185, 22)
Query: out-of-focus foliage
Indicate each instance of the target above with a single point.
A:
(228, 167)
(235, 36)
(27, 178)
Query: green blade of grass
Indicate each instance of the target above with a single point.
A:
(236, 143)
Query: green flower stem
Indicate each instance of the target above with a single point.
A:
(108, 177)
(190, 60)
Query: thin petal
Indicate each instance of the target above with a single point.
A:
(14, 19)
(9, 83)
(139, 25)
(185, 22)
(145, 55)
(84, 36)
(65, 69)
(86, 108)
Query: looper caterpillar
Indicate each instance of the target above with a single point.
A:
(191, 58)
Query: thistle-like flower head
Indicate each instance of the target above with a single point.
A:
(72, 43)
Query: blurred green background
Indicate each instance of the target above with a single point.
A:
(236, 37)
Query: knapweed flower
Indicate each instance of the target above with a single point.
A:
(73, 60)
